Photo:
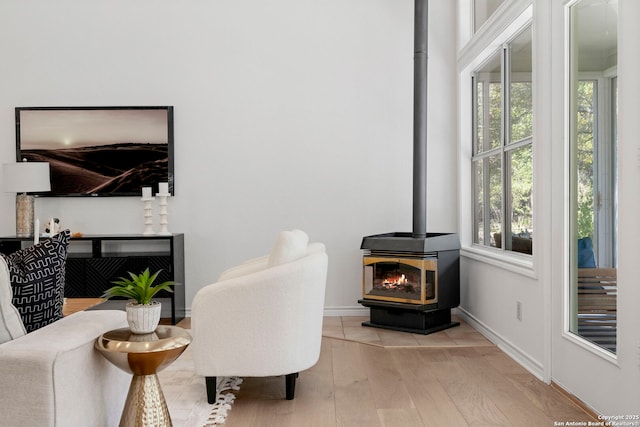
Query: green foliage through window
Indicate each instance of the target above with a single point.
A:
(585, 128)
(503, 152)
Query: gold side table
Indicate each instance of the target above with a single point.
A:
(143, 355)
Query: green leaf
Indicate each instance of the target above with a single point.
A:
(138, 287)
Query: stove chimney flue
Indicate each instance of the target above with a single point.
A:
(385, 292)
(420, 120)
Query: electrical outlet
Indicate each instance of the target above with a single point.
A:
(519, 310)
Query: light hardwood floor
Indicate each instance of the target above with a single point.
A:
(375, 377)
(72, 305)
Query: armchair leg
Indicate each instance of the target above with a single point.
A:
(290, 381)
(211, 389)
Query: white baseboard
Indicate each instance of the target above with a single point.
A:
(503, 344)
(328, 311)
(346, 311)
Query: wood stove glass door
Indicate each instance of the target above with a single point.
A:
(403, 280)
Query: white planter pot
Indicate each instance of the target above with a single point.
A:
(143, 318)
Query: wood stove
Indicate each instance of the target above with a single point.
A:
(411, 281)
(411, 284)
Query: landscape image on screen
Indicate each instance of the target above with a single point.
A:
(98, 151)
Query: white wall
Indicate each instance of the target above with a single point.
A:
(489, 296)
(494, 282)
(289, 113)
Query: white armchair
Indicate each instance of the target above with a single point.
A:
(264, 317)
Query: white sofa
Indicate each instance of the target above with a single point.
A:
(263, 317)
(53, 376)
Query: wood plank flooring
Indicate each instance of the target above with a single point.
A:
(72, 305)
(375, 377)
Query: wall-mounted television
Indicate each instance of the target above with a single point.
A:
(99, 151)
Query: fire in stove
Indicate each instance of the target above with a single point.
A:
(396, 282)
(399, 279)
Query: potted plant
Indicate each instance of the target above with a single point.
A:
(143, 313)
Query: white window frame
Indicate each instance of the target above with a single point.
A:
(507, 145)
(604, 165)
(510, 22)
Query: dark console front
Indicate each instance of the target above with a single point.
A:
(94, 261)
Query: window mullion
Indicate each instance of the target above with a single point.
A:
(486, 202)
(506, 165)
(486, 175)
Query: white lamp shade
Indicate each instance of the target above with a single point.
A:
(26, 177)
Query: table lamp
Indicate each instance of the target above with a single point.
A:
(22, 178)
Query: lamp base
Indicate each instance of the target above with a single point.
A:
(24, 215)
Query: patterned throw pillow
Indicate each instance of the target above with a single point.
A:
(37, 280)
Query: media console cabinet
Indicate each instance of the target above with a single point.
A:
(94, 261)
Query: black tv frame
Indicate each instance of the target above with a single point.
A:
(109, 117)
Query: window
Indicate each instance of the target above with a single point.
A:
(591, 308)
(595, 147)
(502, 161)
(482, 10)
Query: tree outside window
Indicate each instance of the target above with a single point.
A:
(502, 152)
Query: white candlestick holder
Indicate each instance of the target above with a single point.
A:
(164, 222)
(148, 215)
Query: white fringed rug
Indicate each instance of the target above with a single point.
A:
(224, 400)
(186, 396)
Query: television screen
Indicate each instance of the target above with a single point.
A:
(99, 151)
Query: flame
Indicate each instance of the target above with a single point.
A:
(393, 282)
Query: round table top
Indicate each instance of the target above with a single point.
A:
(143, 354)
(162, 339)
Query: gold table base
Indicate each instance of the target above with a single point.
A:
(145, 405)
(143, 355)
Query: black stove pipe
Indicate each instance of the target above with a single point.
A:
(420, 120)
